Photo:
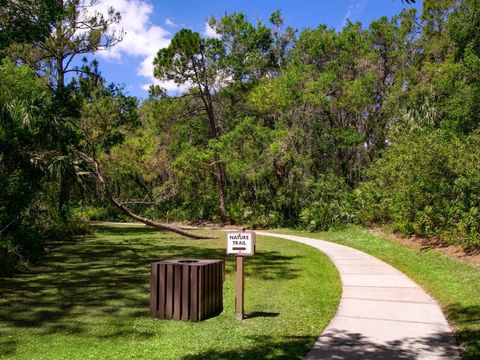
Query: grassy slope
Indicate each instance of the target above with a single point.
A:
(455, 284)
(90, 300)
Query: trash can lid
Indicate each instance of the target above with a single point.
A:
(190, 262)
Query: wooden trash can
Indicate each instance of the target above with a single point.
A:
(187, 289)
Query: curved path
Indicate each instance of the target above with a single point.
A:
(382, 313)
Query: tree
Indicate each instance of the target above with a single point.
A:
(193, 61)
(107, 115)
(26, 21)
(121, 206)
(220, 72)
(248, 49)
(25, 112)
(78, 30)
(463, 25)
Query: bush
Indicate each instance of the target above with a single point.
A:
(22, 244)
(427, 185)
(93, 213)
(330, 202)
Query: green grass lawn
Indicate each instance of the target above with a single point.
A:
(453, 283)
(90, 300)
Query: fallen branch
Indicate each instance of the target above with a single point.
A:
(132, 215)
(140, 202)
(8, 225)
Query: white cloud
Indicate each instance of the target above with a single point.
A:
(209, 31)
(170, 86)
(141, 37)
(355, 11)
(146, 66)
(170, 22)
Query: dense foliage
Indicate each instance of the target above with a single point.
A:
(23, 102)
(313, 129)
(41, 129)
(428, 185)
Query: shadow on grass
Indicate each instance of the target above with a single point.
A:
(267, 265)
(257, 314)
(7, 346)
(265, 348)
(339, 346)
(106, 278)
(106, 230)
(469, 335)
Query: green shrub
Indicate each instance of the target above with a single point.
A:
(330, 202)
(426, 185)
(22, 244)
(92, 213)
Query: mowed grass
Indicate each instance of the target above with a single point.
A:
(453, 283)
(90, 300)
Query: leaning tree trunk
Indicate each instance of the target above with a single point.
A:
(134, 216)
(155, 224)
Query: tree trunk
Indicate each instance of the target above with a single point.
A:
(218, 163)
(63, 197)
(220, 188)
(155, 224)
(64, 192)
(134, 216)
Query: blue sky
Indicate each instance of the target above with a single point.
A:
(150, 24)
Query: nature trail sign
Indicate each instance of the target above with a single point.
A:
(240, 244)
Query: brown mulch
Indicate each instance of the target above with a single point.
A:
(469, 255)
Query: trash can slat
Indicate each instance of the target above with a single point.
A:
(154, 290)
(186, 293)
(161, 291)
(177, 292)
(169, 293)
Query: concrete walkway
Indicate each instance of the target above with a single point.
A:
(382, 313)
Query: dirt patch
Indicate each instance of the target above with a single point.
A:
(471, 256)
(207, 225)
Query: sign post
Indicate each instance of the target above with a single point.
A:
(240, 244)
(240, 287)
